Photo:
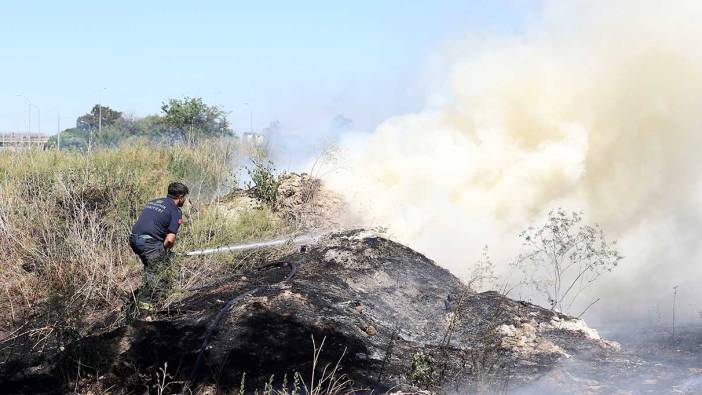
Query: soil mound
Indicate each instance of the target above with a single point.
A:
(386, 314)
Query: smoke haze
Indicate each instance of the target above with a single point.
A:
(594, 107)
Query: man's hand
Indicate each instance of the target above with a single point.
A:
(170, 241)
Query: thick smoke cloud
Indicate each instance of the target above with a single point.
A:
(595, 107)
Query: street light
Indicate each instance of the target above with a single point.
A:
(100, 112)
(58, 128)
(29, 109)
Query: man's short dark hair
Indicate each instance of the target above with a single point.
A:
(176, 189)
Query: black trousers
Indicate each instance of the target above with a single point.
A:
(156, 260)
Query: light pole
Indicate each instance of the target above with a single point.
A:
(100, 111)
(250, 117)
(29, 112)
(58, 128)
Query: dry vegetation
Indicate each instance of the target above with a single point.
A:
(64, 222)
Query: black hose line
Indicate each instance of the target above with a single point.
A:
(227, 306)
(224, 280)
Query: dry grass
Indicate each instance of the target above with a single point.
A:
(65, 219)
(323, 380)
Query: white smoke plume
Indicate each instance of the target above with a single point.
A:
(597, 106)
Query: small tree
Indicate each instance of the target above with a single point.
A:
(190, 118)
(564, 257)
(264, 182)
(92, 119)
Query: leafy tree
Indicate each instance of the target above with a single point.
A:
(190, 119)
(91, 119)
(125, 128)
(564, 257)
(72, 138)
(186, 119)
(111, 136)
(89, 124)
(152, 126)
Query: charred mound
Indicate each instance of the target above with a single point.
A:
(393, 319)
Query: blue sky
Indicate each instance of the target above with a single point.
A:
(297, 62)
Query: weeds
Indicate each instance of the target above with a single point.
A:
(64, 223)
(422, 370)
(483, 273)
(165, 382)
(264, 182)
(330, 381)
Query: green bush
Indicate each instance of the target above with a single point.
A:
(264, 182)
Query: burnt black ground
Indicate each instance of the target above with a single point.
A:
(390, 315)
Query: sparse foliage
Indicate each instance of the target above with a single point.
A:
(326, 380)
(264, 182)
(331, 381)
(563, 257)
(422, 370)
(483, 273)
(166, 382)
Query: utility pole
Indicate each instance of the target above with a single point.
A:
(58, 128)
(100, 113)
(29, 112)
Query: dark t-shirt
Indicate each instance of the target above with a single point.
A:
(158, 218)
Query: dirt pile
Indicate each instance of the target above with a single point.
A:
(391, 317)
(304, 201)
(301, 200)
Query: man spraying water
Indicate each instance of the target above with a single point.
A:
(153, 236)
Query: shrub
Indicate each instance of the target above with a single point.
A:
(422, 370)
(564, 257)
(264, 182)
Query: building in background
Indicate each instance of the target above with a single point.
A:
(253, 144)
(18, 141)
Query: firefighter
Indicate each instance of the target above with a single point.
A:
(153, 236)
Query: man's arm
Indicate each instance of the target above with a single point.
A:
(170, 241)
(173, 226)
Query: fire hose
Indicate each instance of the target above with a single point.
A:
(228, 305)
(291, 239)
